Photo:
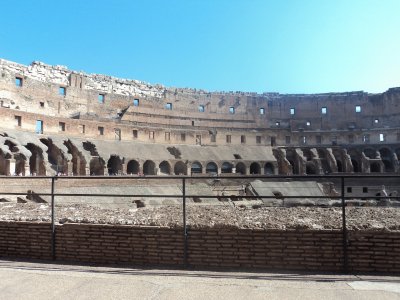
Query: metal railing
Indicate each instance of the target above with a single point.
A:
(340, 180)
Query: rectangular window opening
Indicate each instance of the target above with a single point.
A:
(231, 110)
(39, 127)
(349, 189)
(151, 135)
(61, 126)
(183, 137)
(62, 91)
(18, 81)
(243, 139)
(258, 139)
(365, 189)
(167, 136)
(382, 137)
(318, 139)
(18, 120)
(135, 102)
(198, 139)
(134, 134)
(201, 108)
(358, 108)
(82, 128)
(324, 110)
(101, 98)
(168, 106)
(41, 104)
(228, 139)
(213, 138)
(292, 111)
(100, 130)
(262, 111)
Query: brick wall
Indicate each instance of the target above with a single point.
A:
(25, 240)
(283, 249)
(374, 251)
(243, 248)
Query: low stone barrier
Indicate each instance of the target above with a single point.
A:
(302, 249)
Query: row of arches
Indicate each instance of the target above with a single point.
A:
(114, 166)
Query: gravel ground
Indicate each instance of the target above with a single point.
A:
(358, 218)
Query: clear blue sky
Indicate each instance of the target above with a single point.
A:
(303, 46)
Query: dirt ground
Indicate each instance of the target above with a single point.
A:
(358, 218)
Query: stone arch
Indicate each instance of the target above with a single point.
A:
(226, 167)
(4, 164)
(387, 159)
(212, 168)
(196, 168)
(149, 167)
(375, 167)
(241, 168)
(355, 157)
(165, 168)
(132, 167)
(20, 161)
(370, 153)
(114, 165)
(269, 169)
(55, 157)
(78, 160)
(339, 166)
(180, 168)
(255, 168)
(356, 166)
(96, 166)
(311, 169)
(36, 161)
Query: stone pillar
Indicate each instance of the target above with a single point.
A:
(10, 166)
(70, 168)
(27, 169)
(124, 168)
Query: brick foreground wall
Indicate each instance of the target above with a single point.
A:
(274, 249)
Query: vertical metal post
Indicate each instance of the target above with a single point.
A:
(53, 224)
(185, 241)
(344, 229)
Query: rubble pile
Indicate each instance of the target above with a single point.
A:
(358, 218)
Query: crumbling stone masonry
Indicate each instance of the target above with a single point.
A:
(55, 120)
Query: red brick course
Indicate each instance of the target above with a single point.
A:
(319, 250)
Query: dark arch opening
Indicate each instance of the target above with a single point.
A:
(241, 168)
(132, 167)
(96, 166)
(212, 168)
(165, 168)
(310, 169)
(339, 166)
(196, 168)
(388, 165)
(149, 167)
(226, 167)
(375, 167)
(370, 153)
(114, 165)
(181, 169)
(255, 168)
(269, 169)
(36, 161)
(356, 167)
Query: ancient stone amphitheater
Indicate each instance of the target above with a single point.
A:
(59, 121)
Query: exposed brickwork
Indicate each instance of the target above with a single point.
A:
(303, 249)
(25, 240)
(276, 249)
(374, 251)
(117, 244)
